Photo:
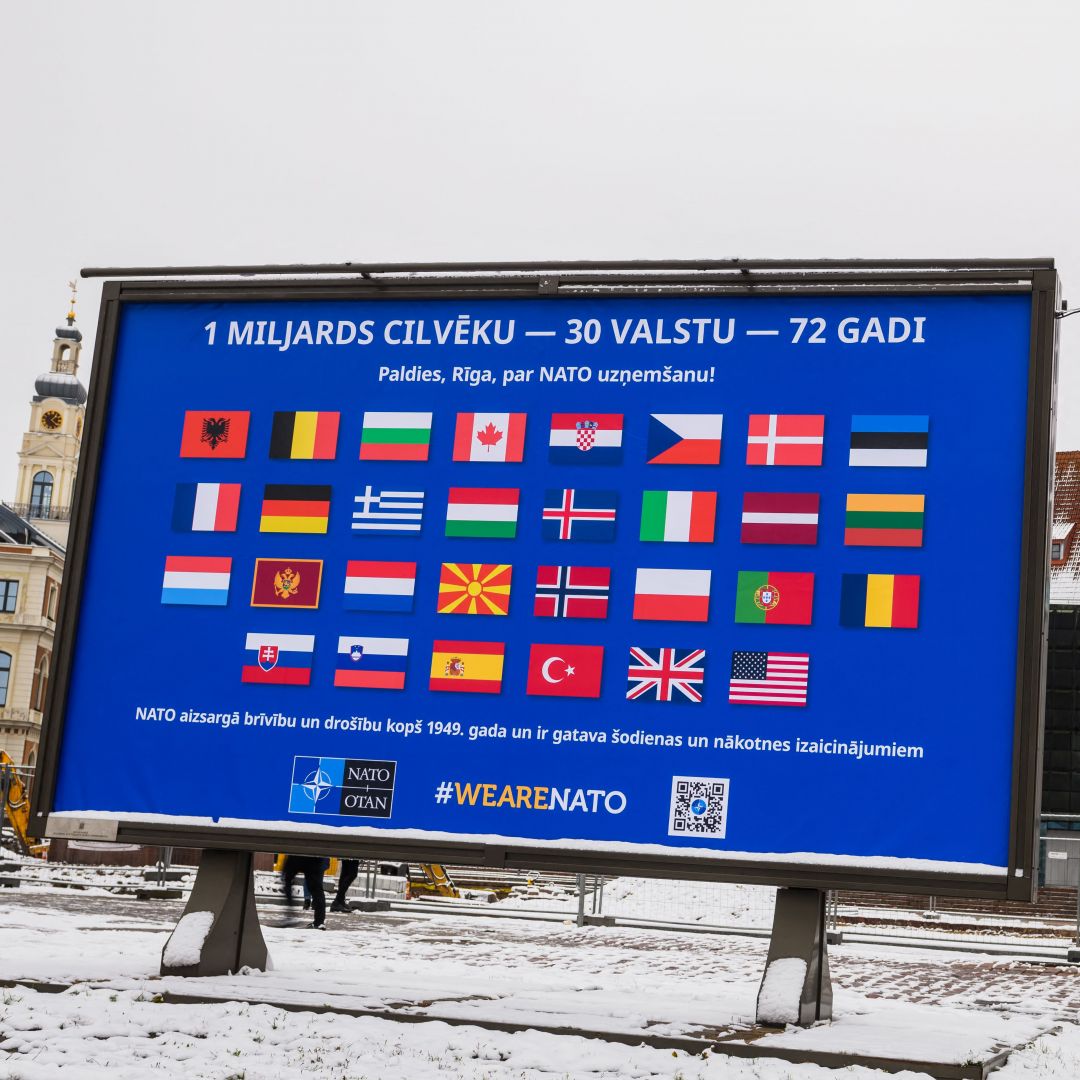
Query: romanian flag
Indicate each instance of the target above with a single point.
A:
(884, 520)
(395, 436)
(774, 597)
(886, 600)
(474, 589)
(467, 667)
(305, 436)
(295, 508)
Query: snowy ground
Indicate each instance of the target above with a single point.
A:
(466, 967)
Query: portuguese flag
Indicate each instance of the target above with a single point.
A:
(884, 520)
(774, 597)
(395, 436)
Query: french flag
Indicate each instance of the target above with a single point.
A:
(379, 586)
(284, 659)
(196, 579)
(206, 507)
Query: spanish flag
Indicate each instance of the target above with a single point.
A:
(295, 508)
(304, 436)
(467, 667)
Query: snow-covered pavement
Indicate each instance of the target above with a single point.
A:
(895, 1002)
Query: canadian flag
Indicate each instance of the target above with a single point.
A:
(489, 437)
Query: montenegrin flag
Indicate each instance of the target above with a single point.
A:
(880, 600)
(489, 437)
(395, 436)
(206, 507)
(774, 597)
(672, 595)
(282, 659)
(371, 663)
(305, 436)
(678, 516)
(467, 667)
(684, 439)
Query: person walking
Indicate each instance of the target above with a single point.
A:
(349, 869)
(312, 867)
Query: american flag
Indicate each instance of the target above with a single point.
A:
(666, 674)
(760, 678)
(572, 592)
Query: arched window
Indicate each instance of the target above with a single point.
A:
(41, 493)
(41, 681)
(5, 675)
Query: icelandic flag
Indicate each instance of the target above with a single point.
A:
(586, 439)
(379, 586)
(196, 579)
(284, 659)
(573, 514)
(206, 507)
(373, 663)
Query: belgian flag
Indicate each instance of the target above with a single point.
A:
(295, 508)
(305, 436)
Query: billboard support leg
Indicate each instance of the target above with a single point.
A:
(796, 988)
(225, 889)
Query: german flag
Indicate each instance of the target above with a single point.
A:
(295, 508)
(304, 436)
(884, 520)
(469, 667)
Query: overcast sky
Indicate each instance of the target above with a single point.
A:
(210, 132)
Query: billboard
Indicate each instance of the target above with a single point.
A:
(676, 580)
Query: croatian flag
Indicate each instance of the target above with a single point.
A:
(586, 439)
(196, 579)
(284, 659)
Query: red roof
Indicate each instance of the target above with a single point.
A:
(1065, 577)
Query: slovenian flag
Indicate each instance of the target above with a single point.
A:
(196, 579)
(371, 663)
(206, 507)
(586, 439)
(283, 659)
(380, 586)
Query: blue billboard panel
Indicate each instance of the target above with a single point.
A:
(678, 575)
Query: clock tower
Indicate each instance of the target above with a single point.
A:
(50, 448)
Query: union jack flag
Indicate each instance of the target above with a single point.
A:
(676, 675)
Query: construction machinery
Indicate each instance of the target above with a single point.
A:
(16, 803)
(436, 880)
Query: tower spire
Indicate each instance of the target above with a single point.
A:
(74, 287)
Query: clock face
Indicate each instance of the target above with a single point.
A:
(51, 420)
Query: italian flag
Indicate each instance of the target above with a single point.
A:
(680, 516)
(483, 512)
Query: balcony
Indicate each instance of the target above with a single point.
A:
(39, 512)
(20, 718)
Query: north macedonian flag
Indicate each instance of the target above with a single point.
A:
(295, 508)
(211, 433)
(881, 600)
(474, 589)
(305, 436)
(774, 597)
(287, 583)
(467, 667)
(884, 520)
(489, 436)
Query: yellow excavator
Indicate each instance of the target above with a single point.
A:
(436, 880)
(17, 806)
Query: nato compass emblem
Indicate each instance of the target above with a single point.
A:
(586, 433)
(699, 807)
(317, 786)
(215, 431)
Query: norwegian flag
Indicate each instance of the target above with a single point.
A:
(676, 675)
(572, 592)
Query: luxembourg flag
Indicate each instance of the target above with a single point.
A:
(206, 507)
(373, 663)
(379, 586)
(196, 579)
(284, 659)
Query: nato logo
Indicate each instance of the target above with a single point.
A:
(342, 787)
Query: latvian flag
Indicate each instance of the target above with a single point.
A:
(573, 514)
(586, 439)
(572, 592)
(295, 508)
(678, 516)
(283, 659)
(489, 437)
(779, 517)
(379, 586)
(196, 579)
(785, 439)
(684, 439)
(206, 507)
(889, 441)
(304, 436)
(672, 595)
(395, 436)
(482, 512)
(371, 663)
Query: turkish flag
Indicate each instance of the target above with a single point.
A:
(565, 670)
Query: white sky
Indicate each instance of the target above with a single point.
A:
(247, 132)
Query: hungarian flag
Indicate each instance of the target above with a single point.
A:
(196, 579)
(282, 659)
(379, 586)
(678, 516)
(772, 517)
(210, 433)
(882, 600)
(295, 508)
(780, 597)
(395, 436)
(304, 436)
(474, 589)
(287, 583)
(206, 507)
(889, 441)
(489, 437)
(483, 512)
(565, 671)
(785, 439)
(684, 439)
(371, 663)
(467, 667)
(672, 595)
(573, 514)
(676, 675)
(884, 520)
(586, 439)
(572, 592)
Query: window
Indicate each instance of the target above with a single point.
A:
(9, 595)
(1057, 551)
(41, 493)
(41, 683)
(5, 674)
(54, 592)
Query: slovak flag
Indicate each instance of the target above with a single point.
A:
(284, 659)
(586, 439)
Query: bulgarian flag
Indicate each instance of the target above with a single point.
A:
(395, 436)
(680, 516)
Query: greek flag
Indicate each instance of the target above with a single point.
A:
(388, 512)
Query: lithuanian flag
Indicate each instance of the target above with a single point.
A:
(295, 508)
(884, 600)
(304, 436)
(468, 667)
(884, 520)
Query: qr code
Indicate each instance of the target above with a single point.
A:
(698, 806)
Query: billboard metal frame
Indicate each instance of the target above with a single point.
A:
(356, 281)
